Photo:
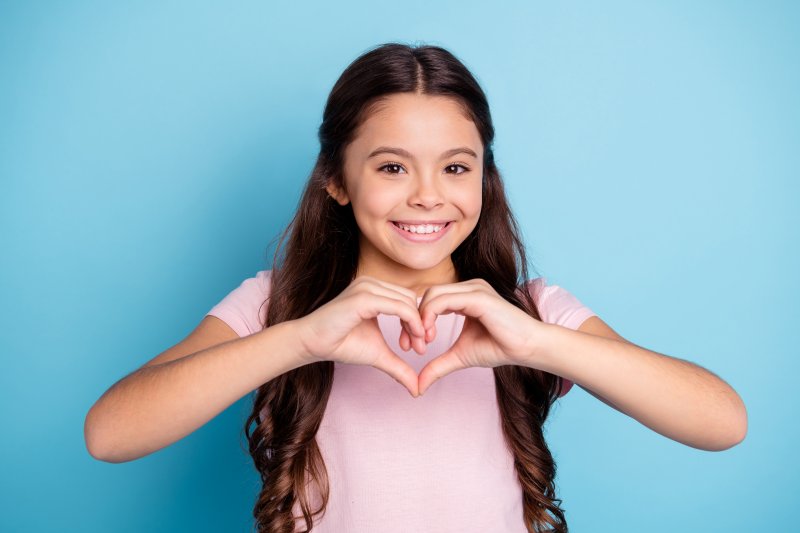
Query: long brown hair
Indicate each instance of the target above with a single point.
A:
(319, 262)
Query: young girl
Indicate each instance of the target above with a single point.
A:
(404, 362)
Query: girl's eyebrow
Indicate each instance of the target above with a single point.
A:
(405, 153)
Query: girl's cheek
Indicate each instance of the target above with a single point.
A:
(468, 201)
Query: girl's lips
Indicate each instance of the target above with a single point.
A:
(421, 237)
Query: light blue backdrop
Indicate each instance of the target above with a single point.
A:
(149, 152)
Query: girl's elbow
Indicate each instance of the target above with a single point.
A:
(740, 428)
(737, 428)
(729, 441)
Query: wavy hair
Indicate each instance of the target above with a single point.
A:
(319, 261)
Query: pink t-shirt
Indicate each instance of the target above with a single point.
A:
(397, 463)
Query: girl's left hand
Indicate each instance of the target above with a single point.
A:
(495, 331)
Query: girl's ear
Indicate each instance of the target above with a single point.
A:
(337, 193)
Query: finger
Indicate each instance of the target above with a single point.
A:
(474, 303)
(404, 341)
(419, 345)
(447, 288)
(397, 288)
(436, 369)
(369, 305)
(413, 340)
(407, 342)
(411, 297)
(430, 333)
(390, 289)
(401, 371)
(411, 328)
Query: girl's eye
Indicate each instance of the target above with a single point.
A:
(452, 165)
(392, 165)
(392, 168)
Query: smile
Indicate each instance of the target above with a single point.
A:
(423, 232)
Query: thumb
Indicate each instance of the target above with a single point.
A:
(391, 364)
(437, 368)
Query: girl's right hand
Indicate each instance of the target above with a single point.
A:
(346, 330)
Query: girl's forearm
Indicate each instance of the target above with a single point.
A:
(673, 397)
(160, 404)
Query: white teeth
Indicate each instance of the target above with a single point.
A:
(424, 228)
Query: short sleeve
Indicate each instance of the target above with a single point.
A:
(244, 308)
(558, 306)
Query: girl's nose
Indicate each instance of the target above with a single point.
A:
(426, 192)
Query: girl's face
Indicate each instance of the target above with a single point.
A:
(416, 160)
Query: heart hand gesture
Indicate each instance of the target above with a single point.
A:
(495, 331)
(346, 330)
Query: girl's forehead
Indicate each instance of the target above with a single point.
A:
(427, 124)
(405, 107)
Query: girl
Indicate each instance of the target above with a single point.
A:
(404, 362)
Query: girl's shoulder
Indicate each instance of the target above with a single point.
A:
(264, 278)
(557, 305)
(244, 308)
(256, 286)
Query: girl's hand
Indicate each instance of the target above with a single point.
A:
(495, 331)
(346, 329)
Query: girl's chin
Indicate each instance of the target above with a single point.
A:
(422, 262)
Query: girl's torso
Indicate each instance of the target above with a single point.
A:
(397, 463)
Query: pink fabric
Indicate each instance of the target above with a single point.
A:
(397, 463)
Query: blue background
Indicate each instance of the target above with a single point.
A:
(150, 152)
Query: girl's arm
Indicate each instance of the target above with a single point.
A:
(174, 394)
(671, 396)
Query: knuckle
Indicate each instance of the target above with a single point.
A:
(364, 281)
(359, 298)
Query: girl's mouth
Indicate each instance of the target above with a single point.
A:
(423, 233)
